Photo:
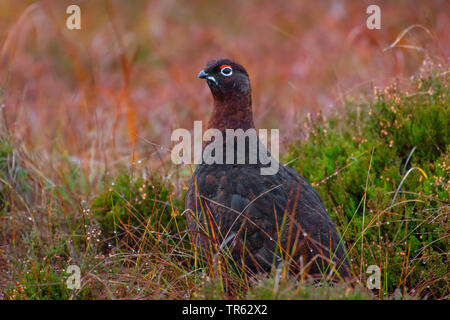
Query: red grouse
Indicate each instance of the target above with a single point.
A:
(261, 219)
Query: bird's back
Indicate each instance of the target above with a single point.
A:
(256, 216)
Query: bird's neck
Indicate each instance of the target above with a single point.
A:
(232, 113)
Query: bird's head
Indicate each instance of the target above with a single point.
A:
(226, 79)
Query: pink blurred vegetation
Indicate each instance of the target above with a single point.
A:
(113, 91)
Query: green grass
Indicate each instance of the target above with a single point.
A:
(382, 168)
(145, 204)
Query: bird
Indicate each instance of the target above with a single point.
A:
(261, 221)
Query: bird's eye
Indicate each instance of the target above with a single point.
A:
(226, 71)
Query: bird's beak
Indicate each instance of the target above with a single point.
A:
(209, 79)
(202, 75)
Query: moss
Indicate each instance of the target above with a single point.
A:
(360, 159)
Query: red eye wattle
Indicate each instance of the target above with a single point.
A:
(224, 66)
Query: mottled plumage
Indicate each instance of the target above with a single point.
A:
(251, 214)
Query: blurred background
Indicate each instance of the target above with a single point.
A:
(113, 91)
